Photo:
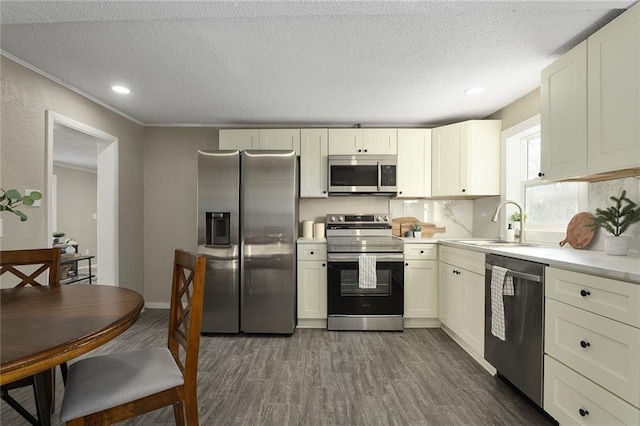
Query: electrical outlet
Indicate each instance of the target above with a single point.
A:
(86, 251)
(94, 216)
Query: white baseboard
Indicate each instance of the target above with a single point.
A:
(312, 323)
(421, 323)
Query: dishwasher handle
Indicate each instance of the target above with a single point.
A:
(516, 274)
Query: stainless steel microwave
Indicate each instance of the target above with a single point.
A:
(363, 174)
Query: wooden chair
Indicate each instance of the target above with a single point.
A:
(28, 267)
(106, 389)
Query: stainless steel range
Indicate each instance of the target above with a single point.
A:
(365, 274)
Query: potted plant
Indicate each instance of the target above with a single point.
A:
(56, 236)
(616, 220)
(12, 198)
(417, 230)
(515, 218)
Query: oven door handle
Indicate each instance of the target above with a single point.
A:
(353, 257)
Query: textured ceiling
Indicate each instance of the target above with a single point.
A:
(308, 62)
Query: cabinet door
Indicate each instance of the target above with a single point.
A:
(614, 94)
(472, 315)
(313, 163)
(379, 141)
(563, 98)
(312, 289)
(421, 289)
(239, 139)
(449, 164)
(414, 163)
(450, 293)
(345, 141)
(288, 139)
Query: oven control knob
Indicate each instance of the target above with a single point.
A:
(378, 218)
(386, 218)
(340, 218)
(332, 219)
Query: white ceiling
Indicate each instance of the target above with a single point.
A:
(226, 63)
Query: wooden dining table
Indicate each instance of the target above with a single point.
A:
(41, 327)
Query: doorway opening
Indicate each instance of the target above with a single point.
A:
(81, 148)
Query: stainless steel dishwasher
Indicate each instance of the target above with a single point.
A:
(519, 357)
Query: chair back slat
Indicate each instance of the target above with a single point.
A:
(187, 296)
(20, 263)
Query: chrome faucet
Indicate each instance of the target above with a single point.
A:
(495, 217)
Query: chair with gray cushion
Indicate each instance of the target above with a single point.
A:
(110, 388)
(39, 268)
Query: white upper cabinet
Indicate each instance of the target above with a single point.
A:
(414, 163)
(563, 98)
(466, 159)
(288, 139)
(239, 139)
(363, 141)
(614, 94)
(313, 163)
(590, 105)
(269, 139)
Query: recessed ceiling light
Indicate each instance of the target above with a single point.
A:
(474, 90)
(120, 89)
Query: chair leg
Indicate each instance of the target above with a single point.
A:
(40, 395)
(191, 408)
(19, 408)
(178, 412)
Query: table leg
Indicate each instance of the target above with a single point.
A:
(42, 399)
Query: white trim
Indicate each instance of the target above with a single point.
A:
(107, 210)
(70, 167)
(68, 86)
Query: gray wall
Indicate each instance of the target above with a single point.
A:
(170, 177)
(25, 97)
(77, 202)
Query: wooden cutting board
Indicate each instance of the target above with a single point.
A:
(402, 225)
(578, 235)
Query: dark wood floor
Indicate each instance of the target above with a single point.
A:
(317, 377)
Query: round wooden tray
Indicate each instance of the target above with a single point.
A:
(579, 236)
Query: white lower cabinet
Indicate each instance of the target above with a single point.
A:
(461, 293)
(421, 285)
(312, 286)
(572, 399)
(592, 349)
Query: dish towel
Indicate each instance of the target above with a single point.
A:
(367, 271)
(501, 285)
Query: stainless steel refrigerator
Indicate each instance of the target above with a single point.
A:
(247, 228)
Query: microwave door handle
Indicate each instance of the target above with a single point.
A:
(379, 176)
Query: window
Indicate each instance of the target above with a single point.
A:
(548, 205)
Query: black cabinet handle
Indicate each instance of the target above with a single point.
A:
(585, 293)
(359, 150)
(311, 252)
(464, 190)
(421, 251)
(540, 174)
(324, 192)
(584, 344)
(583, 412)
(400, 192)
(324, 264)
(365, 150)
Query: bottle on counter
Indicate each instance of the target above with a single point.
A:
(511, 234)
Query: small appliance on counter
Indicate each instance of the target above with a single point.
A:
(247, 229)
(365, 273)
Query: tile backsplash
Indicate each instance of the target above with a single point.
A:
(455, 215)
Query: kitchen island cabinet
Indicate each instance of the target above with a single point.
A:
(466, 159)
(312, 285)
(421, 285)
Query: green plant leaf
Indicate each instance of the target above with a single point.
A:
(22, 216)
(36, 195)
(27, 201)
(12, 194)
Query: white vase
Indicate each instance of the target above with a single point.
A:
(417, 234)
(617, 246)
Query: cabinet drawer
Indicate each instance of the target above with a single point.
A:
(603, 350)
(312, 252)
(421, 251)
(572, 399)
(613, 299)
(466, 259)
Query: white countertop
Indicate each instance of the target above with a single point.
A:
(626, 268)
(312, 240)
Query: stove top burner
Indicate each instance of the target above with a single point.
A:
(361, 233)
